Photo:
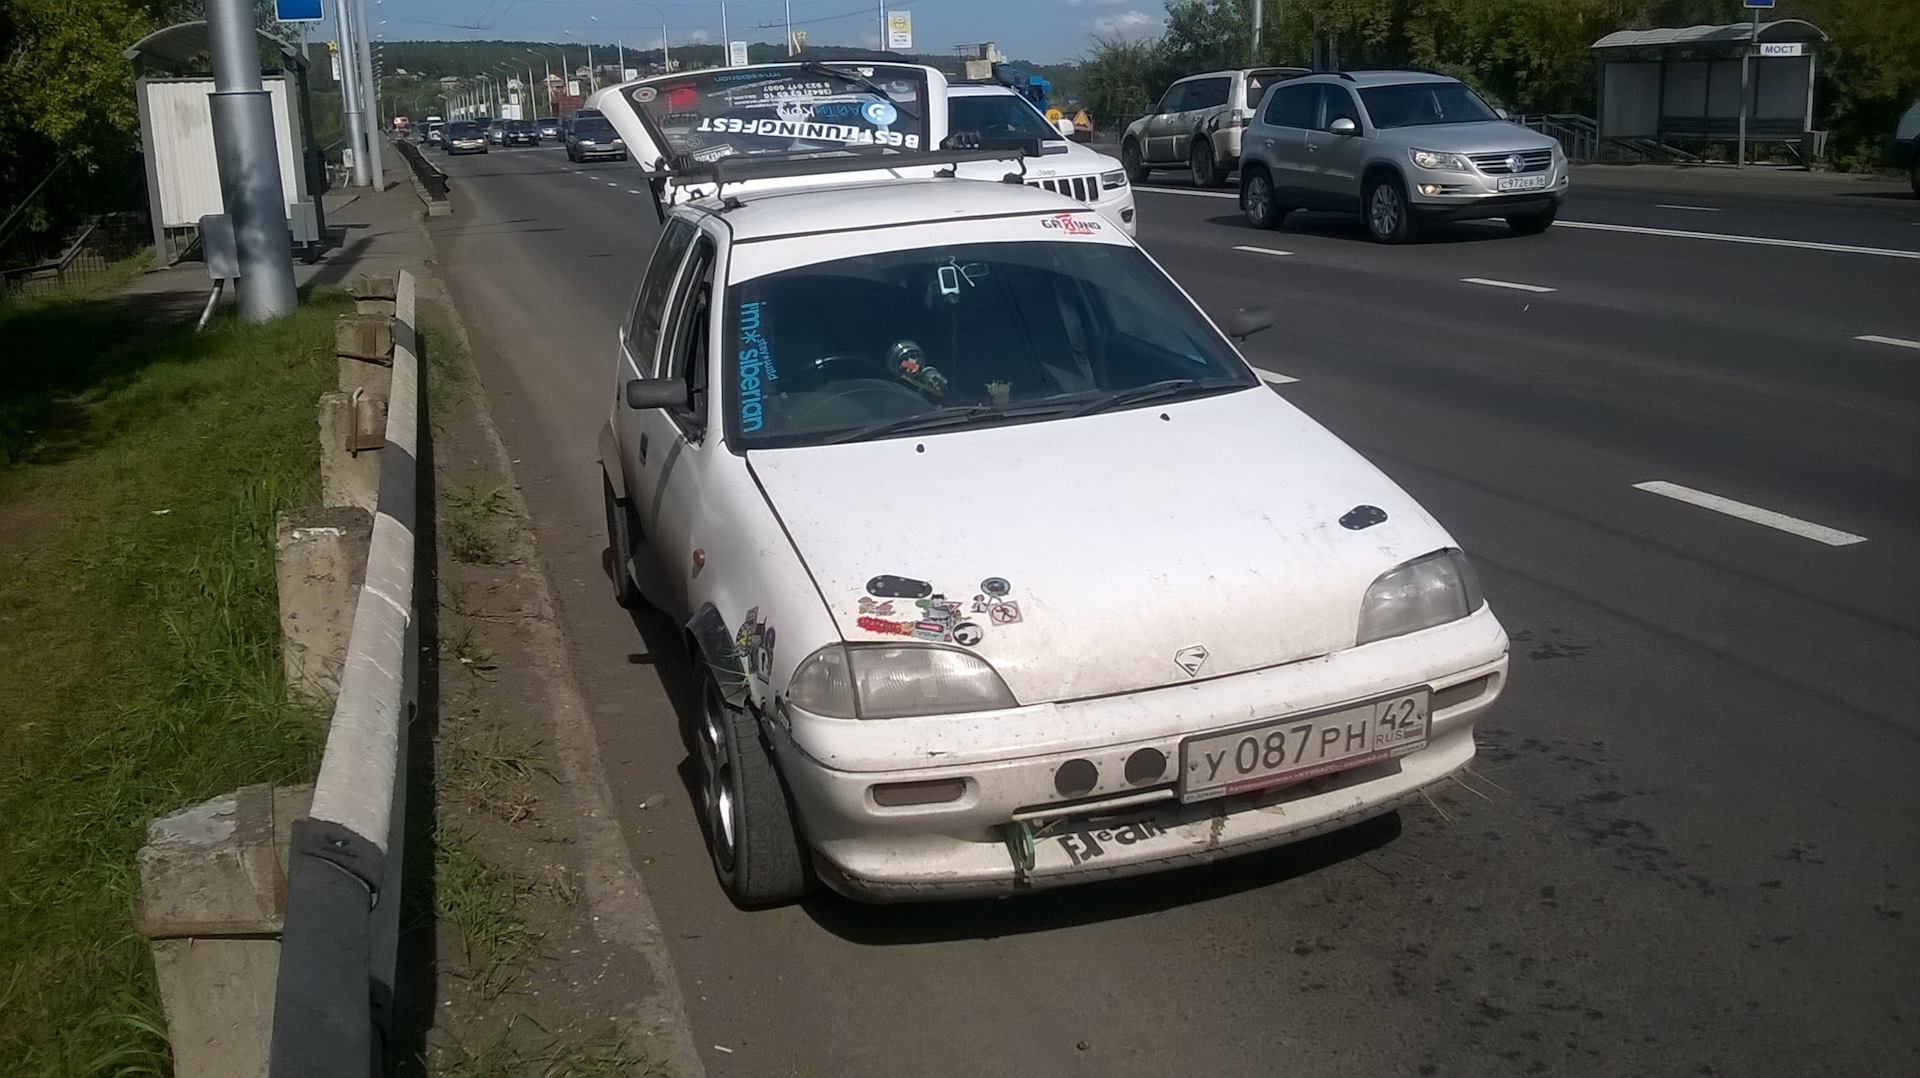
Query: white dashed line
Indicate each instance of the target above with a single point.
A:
(612, 184)
(1805, 529)
(1763, 241)
(1874, 338)
(1507, 284)
(1273, 379)
(1261, 250)
(588, 177)
(1696, 209)
(1197, 194)
(631, 191)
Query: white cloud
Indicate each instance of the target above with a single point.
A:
(699, 37)
(1132, 23)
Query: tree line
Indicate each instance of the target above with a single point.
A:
(1525, 55)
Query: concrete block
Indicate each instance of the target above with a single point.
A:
(320, 563)
(349, 469)
(363, 336)
(372, 286)
(213, 882)
(373, 378)
(378, 307)
(440, 208)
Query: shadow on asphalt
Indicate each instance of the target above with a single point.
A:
(1349, 227)
(932, 922)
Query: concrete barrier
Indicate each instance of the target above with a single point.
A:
(320, 561)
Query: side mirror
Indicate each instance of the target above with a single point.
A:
(1064, 126)
(1242, 323)
(656, 393)
(1502, 113)
(1344, 126)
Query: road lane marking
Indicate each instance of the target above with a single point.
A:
(1763, 241)
(1273, 379)
(632, 191)
(1696, 209)
(1506, 284)
(1195, 194)
(1261, 250)
(610, 183)
(1805, 529)
(1895, 341)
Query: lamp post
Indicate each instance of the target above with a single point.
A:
(547, 86)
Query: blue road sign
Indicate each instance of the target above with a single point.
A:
(1760, 3)
(309, 10)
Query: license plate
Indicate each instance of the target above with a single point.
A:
(1301, 747)
(1523, 183)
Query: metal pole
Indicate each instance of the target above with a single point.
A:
(789, 27)
(726, 39)
(881, 8)
(1746, 69)
(666, 58)
(376, 139)
(350, 101)
(249, 163)
(1253, 56)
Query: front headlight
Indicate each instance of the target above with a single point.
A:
(1113, 181)
(1427, 591)
(1434, 159)
(619, 142)
(889, 681)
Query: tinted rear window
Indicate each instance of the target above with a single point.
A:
(813, 107)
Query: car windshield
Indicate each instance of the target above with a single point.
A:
(593, 126)
(969, 334)
(1417, 104)
(998, 116)
(463, 130)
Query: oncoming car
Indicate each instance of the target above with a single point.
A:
(590, 136)
(464, 136)
(946, 484)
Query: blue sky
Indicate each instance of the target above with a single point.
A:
(1038, 30)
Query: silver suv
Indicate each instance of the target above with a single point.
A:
(1198, 124)
(1400, 148)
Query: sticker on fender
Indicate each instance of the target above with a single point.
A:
(1300, 747)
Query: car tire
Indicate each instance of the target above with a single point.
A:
(626, 591)
(1130, 161)
(1532, 224)
(1389, 219)
(756, 849)
(1206, 170)
(1258, 199)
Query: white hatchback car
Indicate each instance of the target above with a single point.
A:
(948, 485)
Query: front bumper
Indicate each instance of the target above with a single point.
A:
(1116, 207)
(589, 152)
(959, 848)
(1437, 195)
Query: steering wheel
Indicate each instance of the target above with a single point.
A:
(883, 392)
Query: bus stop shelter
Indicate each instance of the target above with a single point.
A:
(1682, 86)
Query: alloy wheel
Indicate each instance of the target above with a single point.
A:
(716, 778)
(1384, 210)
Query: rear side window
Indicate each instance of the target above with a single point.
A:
(1206, 94)
(1292, 105)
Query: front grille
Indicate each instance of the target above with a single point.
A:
(1080, 188)
(1496, 163)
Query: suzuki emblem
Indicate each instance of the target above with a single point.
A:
(1191, 659)
(1515, 162)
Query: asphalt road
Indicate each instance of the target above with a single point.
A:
(1691, 842)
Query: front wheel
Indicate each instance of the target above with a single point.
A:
(1532, 224)
(1389, 220)
(1206, 171)
(1257, 199)
(1130, 160)
(756, 849)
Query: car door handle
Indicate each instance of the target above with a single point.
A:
(643, 449)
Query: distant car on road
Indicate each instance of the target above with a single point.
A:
(990, 113)
(497, 132)
(521, 133)
(1198, 124)
(1399, 148)
(549, 127)
(434, 132)
(465, 136)
(590, 135)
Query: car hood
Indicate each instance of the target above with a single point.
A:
(1493, 136)
(1079, 160)
(1104, 554)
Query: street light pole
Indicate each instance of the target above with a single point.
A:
(376, 164)
(249, 163)
(352, 105)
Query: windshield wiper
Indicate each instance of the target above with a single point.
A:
(1152, 391)
(953, 415)
(857, 79)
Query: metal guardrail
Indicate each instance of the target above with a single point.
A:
(427, 178)
(337, 951)
(1578, 135)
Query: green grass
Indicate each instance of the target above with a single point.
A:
(481, 903)
(139, 664)
(476, 523)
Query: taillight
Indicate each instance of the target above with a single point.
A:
(1239, 119)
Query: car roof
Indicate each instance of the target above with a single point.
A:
(880, 204)
(1381, 78)
(1242, 71)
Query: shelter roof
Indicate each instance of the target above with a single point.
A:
(178, 45)
(1739, 33)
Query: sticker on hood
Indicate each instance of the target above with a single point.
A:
(930, 615)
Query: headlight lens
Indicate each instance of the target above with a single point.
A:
(1113, 181)
(1427, 591)
(1434, 159)
(896, 682)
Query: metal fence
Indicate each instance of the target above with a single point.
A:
(34, 263)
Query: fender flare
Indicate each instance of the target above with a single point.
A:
(711, 643)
